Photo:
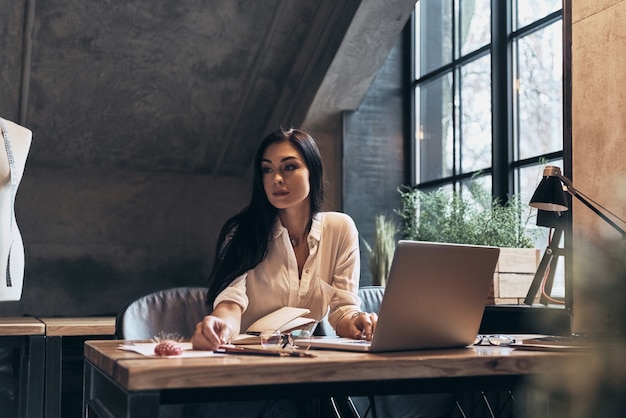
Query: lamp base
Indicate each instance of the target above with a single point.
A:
(549, 260)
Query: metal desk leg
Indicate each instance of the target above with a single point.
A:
(343, 407)
(32, 370)
(54, 379)
(87, 389)
(102, 397)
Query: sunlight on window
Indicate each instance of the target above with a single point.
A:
(457, 110)
(540, 97)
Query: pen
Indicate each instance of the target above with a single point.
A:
(230, 349)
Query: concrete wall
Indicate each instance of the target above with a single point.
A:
(94, 239)
(132, 106)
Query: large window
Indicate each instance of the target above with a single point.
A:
(488, 95)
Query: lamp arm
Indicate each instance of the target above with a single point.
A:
(572, 190)
(567, 182)
(597, 211)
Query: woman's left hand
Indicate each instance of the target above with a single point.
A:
(362, 325)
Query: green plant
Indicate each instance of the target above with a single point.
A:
(382, 252)
(474, 218)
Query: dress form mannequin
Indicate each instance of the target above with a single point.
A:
(14, 146)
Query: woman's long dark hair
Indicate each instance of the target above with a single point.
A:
(243, 240)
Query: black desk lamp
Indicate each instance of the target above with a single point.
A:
(550, 197)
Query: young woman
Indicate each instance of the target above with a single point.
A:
(282, 250)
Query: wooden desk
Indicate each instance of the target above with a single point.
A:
(124, 384)
(55, 330)
(93, 325)
(21, 326)
(27, 334)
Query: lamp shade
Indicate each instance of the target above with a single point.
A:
(549, 195)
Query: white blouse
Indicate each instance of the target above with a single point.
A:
(330, 277)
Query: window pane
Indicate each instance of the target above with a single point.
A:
(529, 11)
(475, 112)
(474, 25)
(435, 129)
(539, 92)
(483, 181)
(433, 19)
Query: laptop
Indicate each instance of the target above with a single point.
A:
(435, 298)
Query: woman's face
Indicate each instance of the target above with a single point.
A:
(285, 176)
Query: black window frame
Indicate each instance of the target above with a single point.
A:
(504, 165)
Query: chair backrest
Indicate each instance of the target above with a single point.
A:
(371, 297)
(178, 310)
(173, 311)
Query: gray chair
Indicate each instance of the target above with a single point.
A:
(171, 311)
(175, 310)
(179, 309)
(371, 297)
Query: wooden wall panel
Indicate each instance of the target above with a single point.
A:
(598, 159)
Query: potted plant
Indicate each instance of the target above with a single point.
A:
(475, 218)
(381, 253)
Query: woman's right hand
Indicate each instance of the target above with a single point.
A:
(218, 328)
(211, 333)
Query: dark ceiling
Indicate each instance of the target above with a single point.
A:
(185, 86)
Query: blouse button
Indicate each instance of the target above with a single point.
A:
(307, 271)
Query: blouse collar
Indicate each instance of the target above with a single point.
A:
(314, 234)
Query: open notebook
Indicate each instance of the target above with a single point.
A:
(435, 298)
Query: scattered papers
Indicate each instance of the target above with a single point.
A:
(147, 349)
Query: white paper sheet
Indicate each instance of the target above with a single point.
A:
(147, 349)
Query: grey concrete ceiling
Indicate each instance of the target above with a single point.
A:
(185, 86)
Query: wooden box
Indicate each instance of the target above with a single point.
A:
(514, 273)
